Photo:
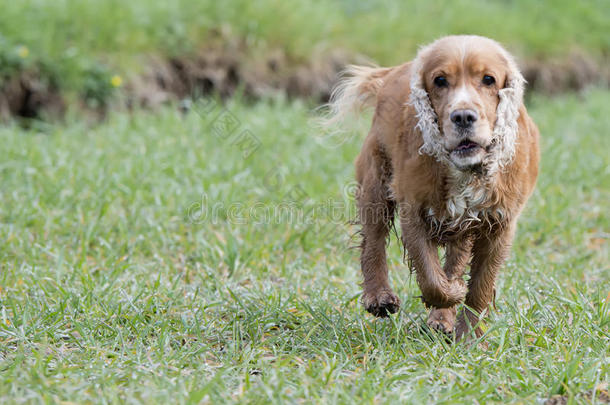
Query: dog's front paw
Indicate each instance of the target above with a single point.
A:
(381, 303)
(442, 319)
(444, 296)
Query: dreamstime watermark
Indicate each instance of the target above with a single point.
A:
(295, 207)
(259, 213)
(330, 212)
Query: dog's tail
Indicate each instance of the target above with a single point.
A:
(357, 89)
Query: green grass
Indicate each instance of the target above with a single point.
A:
(114, 290)
(71, 38)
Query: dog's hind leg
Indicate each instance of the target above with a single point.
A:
(376, 213)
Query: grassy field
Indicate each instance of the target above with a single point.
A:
(162, 257)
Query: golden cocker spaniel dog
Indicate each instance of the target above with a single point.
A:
(454, 152)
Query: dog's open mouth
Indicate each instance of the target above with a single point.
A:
(466, 147)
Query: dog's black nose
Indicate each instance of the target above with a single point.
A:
(464, 118)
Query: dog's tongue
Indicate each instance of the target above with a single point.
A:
(465, 145)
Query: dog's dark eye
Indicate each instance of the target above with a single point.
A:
(488, 80)
(441, 81)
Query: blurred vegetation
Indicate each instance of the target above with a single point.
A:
(81, 45)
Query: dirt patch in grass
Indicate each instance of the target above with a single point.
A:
(600, 393)
(573, 72)
(28, 95)
(229, 67)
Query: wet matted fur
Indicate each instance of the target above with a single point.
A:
(454, 152)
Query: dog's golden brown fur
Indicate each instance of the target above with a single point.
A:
(453, 151)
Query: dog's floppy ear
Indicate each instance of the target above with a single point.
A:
(506, 127)
(427, 121)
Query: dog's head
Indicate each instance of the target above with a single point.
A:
(467, 91)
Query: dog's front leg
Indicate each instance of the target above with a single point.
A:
(437, 289)
(457, 255)
(489, 252)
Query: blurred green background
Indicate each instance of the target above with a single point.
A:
(87, 50)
